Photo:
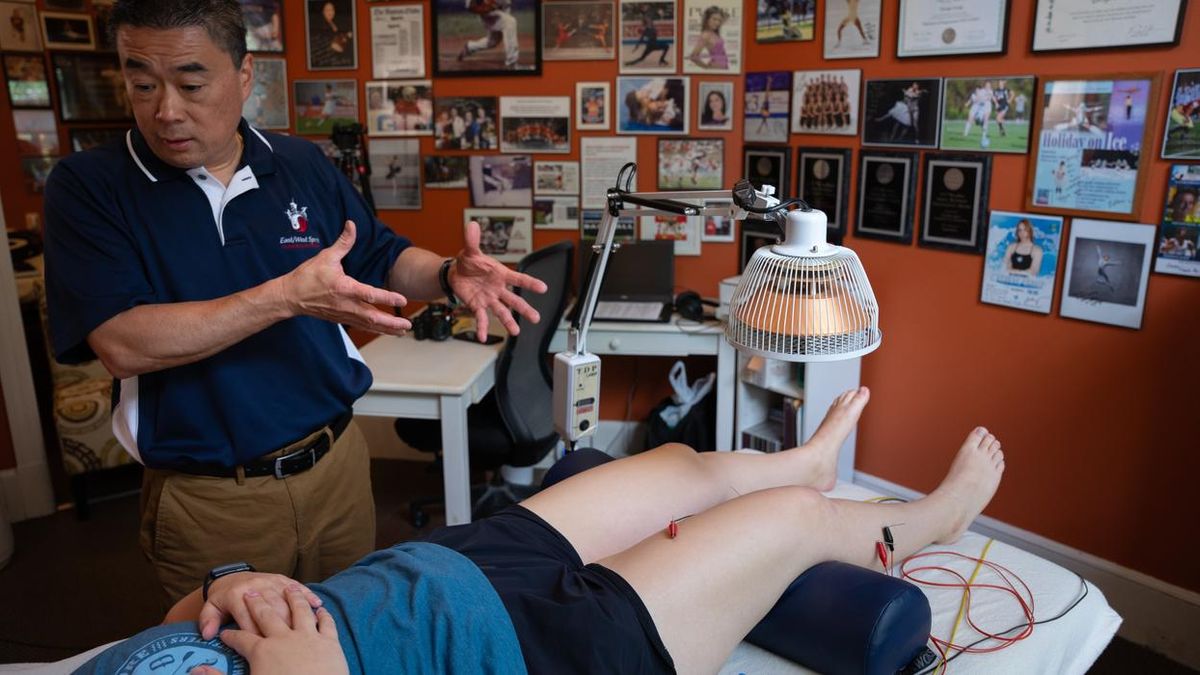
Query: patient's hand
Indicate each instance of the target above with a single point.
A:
(227, 600)
(309, 645)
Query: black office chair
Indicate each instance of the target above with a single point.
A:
(512, 425)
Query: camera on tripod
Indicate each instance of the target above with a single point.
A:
(434, 323)
(347, 137)
(352, 159)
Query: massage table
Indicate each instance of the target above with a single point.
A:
(1068, 645)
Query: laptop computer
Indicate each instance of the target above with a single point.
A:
(638, 285)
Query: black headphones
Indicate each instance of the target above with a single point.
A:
(690, 306)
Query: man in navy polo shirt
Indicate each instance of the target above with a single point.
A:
(209, 266)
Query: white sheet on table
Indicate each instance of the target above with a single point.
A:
(1068, 645)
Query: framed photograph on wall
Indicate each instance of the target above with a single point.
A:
(395, 172)
(786, 21)
(1108, 265)
(28, 86)
(477, 38)
(578, 30)
(321, 104)
(823, 181)
(506, 234)
(712, 36)
(1060, 25)
(399, 108)
(264, 25)
(555, 213)
(826, 101)
(1021, 262)
(887, 186)
(593, 105)
(987, 114)
(713, 106)
(852, 29)
(23, 32)
(717, 228)
(91, 88)
(1179, 237)
(330, 29)
(653, 105)
(466, 123)
(1089, 135)
(901, 112)
(649, 36)
(767, 102)
(68, 31)
(444, 172)
(501, 180)
(267, 106)
(691, 163)
(1181, 137)
(683, 230)
(535, 124)
(933, 28)
(767, 165)
(398, 42)
(556, 178)
(955, 200)
(37, 133)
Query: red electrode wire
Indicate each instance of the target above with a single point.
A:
(1023, 596)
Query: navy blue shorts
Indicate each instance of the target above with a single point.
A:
(569, 617)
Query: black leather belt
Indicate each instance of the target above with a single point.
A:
(297, 461)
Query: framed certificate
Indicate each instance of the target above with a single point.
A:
(1060, 25)
(938, 28)
(398, 41)
(823, 181)
(1090, 137)
(954, 203)
(887, 184)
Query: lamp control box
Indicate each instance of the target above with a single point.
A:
(576, 395)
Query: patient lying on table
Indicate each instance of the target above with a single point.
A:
(584, 577)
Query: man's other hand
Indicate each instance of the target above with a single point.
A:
(482, 283)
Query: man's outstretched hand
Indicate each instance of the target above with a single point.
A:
(482, 283)
(319, 287)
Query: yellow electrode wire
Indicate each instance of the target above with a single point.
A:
(962, 604)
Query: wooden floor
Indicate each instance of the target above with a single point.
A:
(73, 585)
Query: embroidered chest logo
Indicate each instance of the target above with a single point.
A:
(298, 217)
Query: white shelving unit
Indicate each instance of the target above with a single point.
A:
(814, 385)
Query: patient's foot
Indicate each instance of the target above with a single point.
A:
(822, 449)
(971, 482)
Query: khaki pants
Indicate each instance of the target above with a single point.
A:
(307, 526)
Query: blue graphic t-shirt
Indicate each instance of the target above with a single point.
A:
(412, 608)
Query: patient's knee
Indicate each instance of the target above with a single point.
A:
(803, 502)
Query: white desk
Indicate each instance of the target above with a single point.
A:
(424, 379)
(679, 337)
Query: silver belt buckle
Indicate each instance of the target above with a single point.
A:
(312, 454)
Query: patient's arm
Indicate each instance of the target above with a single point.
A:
(226, 600)
(298, 643)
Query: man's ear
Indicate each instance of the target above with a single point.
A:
(246, 76)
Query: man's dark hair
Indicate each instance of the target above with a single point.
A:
(221, 18)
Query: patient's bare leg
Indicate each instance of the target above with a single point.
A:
(607, 509)
(728, 566)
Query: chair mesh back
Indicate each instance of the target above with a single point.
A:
(524, 385)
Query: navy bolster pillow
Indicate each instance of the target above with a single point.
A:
(840, 618)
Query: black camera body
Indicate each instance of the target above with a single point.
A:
(434, 323)
(347, 137)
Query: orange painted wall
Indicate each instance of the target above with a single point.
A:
(1098, 422)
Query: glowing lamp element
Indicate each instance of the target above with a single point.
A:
(804, 299)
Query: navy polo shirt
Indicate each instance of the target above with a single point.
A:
(123, 229)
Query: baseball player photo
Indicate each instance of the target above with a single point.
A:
(494, 37)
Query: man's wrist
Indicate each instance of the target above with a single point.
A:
(444, 272)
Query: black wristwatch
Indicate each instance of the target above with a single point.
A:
(444, 280)
(224, 571)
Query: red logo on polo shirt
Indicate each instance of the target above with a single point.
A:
(298, 217)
